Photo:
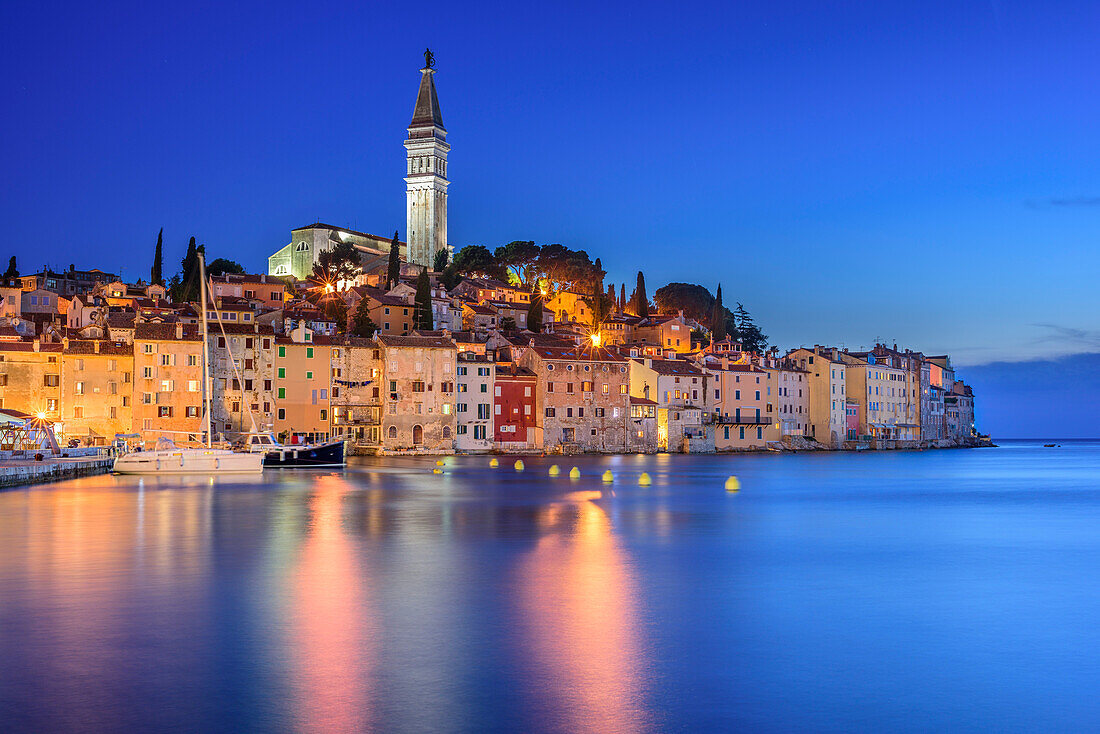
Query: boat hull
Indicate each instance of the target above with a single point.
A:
(320, 456)
(188, 461)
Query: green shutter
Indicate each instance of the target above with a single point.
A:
(282, 372)
(309, 352)
(282, 351)
(282, 393)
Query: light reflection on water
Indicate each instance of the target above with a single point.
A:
(909, 591)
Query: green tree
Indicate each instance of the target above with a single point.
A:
(534, 310)
(641, 300)
(156, 273)
(422, 306)
(362, 324)
(393, 267)
(12, 271)
(221, 266)
(601, 302)
(441, 258)
(476, 260)
(718, 319)
(450, 277)
(622, 298)
(508, 324)
(338, 263)
(751, 337)
(520, 260)
(694, 300)
(563, 269)
(189, 286)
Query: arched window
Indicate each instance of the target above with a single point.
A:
(446, 431)
(392, 432)
(418, 435)
(302, 247)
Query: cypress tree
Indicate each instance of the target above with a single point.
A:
(156, 273)
(12, 271)
(393, 271)
(622, 298)
(718, 322)
(534, 310)
(422, 310)
(641, 300)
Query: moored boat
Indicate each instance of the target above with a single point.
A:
(167, 458)
(281, 456)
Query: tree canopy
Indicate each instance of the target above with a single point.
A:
(694, 300)
(156, 273)
(393, 265)
(221, 266)
(422, 311)
(520, 261)
(337, 263)
(476, 260)
(362, 324)
(12, 271)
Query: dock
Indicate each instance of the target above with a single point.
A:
(18, 472)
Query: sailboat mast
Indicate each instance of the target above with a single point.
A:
(206, 384)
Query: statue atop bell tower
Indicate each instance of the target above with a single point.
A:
(426, 173)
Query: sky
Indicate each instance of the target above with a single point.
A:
(920, 173)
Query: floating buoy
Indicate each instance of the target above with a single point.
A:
(554, 470)
(574, 473)
(733, 484)
(645, 479)
(494, 463)
(519, 464)
(439, 463)
(437, 470)
(608, 477)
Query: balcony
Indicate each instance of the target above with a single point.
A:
(744, 420)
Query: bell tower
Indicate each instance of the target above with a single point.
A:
(426, 173)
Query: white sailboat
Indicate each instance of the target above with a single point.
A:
(167, 458)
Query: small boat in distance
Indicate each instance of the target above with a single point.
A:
(280, 456)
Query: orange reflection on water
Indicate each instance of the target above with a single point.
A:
(329, 634)
(581, 617)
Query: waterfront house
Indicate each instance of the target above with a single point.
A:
(583, 395)
(474, 402)
(418, 394)
(167, 386)
(96, 390)
(515, 410)
(356, 397)
(827, 376)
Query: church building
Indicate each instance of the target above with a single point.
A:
(425, 200)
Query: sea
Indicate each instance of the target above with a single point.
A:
(909, 591)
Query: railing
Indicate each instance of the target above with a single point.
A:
(745, 420)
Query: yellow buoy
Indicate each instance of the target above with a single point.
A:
(439, 463)
(519, 464)
(437, 470)
(554, 470)
(494, 463)
(645, 480)
(733, 484)
(608, 477)
(574, 473)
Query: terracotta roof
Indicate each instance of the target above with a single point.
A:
(480, 310)
(321, 225)
(641, 401)
(671, 367)
(147, 331)
(425, 342)
(577, 354)
(87, 346)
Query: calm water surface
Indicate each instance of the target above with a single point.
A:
(949, 590)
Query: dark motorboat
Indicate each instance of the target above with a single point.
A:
(307, 456)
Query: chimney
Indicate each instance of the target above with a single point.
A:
(38, 343)
(95, 345)
(179, 330)
(648, 361)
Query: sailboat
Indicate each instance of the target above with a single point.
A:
(167, 458)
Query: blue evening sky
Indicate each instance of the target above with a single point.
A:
(925, 173)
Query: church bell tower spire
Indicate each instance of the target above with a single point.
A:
(426, 173)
